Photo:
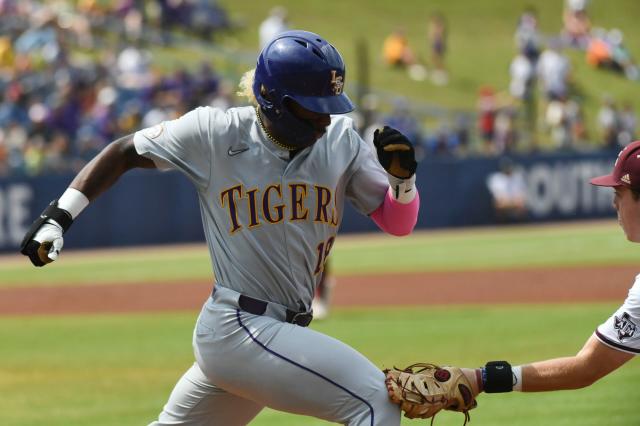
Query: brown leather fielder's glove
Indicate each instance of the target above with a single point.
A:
(422, 390)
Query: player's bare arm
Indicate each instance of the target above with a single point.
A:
(594, 361)
(104, 170)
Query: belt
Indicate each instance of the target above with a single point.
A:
(259, 307)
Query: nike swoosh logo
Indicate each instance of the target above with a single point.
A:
(233, 152)
(408, 190)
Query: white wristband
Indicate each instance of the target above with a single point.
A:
(402, 190)
(517, 378)
(73, 201)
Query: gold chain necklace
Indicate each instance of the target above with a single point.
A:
(271, 138)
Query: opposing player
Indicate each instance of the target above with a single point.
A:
(272, 180)
(612, 344)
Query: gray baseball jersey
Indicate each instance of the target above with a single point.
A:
(622, 329)
(270, 222)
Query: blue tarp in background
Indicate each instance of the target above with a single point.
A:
(149, 207)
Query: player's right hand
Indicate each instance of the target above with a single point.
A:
(395, 152)
(46, 244)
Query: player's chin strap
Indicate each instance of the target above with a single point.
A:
(403, 190)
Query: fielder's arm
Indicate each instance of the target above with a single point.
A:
(43, 241)
(594, 361)
(417, 396)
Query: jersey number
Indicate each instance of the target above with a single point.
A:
(323, 253)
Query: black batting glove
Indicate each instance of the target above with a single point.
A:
(395, 152)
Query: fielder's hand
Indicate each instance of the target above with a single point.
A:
(395, 152)
(422, 390)
(43, 241)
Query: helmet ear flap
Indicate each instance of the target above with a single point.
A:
(268, 97)
(265, 93)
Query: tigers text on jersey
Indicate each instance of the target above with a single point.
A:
(622, 329)
(270, 222)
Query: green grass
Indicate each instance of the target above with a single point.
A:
(593, 243)
(119, 370)
(480, 45)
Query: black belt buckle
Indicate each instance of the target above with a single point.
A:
(302, 319)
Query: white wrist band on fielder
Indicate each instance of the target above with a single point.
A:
(73, 201)
(517, 378)
(402, 190)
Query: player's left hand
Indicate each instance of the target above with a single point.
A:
(395, 152)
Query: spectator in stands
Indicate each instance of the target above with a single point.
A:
(41, 39)
(437, 35)
(5, 169)
(505, 137)
(7, 57)
(56, 114)
(15, 143)
(576, 24)
(396, 50)
(527, 36)
(133, 68)
(131, 16)
(576, 123)
(55, 158)
(628, 124)
(606, 50)
(522, 75)
(462, 124)
(608, 123)
(487, 109)
(553, 71)
(208, 19)
(557, 122)
(276, 23)
(177, 14)
(521, 89)
(508, 191)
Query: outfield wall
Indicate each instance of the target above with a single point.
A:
(149, 207)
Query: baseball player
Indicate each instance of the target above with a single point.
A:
(272, 180)
(612, 344)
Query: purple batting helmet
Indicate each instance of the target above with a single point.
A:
(303, 67)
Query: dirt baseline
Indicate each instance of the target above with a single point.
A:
(549, 285)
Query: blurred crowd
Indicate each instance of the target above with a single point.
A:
(542, 108)
(543, 100)
(60, 107)
(76, 75)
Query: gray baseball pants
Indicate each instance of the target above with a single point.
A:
(246, 362)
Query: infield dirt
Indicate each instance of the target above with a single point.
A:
(549, 285)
